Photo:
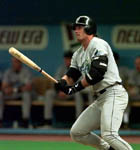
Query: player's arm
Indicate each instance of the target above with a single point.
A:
(97, 70)
(68, 79)
(95, 75)
(71, 76)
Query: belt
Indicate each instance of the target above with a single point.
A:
(104, 90)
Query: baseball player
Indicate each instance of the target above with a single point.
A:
(94, 61)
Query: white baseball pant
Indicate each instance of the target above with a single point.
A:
(105, 113)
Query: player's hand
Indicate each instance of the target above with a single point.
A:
(69, 90)
(61, 85)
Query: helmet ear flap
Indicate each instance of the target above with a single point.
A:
(88, 30)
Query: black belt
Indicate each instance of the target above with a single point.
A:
(104, 90)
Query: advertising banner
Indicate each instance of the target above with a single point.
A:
(23, 37)
(126, 37)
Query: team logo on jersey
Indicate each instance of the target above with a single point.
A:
(99, 52)
(85, 67)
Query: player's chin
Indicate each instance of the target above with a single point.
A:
(79, 39)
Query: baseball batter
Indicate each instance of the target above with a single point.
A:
(94, 61)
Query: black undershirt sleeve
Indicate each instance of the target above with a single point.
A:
(73, 73)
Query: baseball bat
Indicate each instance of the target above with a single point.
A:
(24, 59)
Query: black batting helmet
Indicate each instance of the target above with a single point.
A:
(90, 26)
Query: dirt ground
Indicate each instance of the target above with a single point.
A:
(129, 139)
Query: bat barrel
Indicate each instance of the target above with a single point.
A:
(21, 57)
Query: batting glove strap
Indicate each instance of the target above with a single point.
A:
(73, 89)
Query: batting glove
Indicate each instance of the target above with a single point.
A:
(61, 85)
(69, 90)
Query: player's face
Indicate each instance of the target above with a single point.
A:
(80, 33)
(137, 64)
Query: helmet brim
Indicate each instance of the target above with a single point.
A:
(74, 25)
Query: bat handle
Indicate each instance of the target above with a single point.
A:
(48, 76)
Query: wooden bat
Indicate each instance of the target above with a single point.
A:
(24, 59)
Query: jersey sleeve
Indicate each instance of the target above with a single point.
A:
(100, 50)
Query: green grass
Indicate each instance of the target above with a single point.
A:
(36, 145)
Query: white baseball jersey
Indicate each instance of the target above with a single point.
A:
(81, 60)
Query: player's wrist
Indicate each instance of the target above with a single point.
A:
(78, 86)
(75, 88)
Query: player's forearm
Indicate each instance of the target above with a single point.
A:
(68, 86)
(68, 80)
(84, 82)
(71, 82)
